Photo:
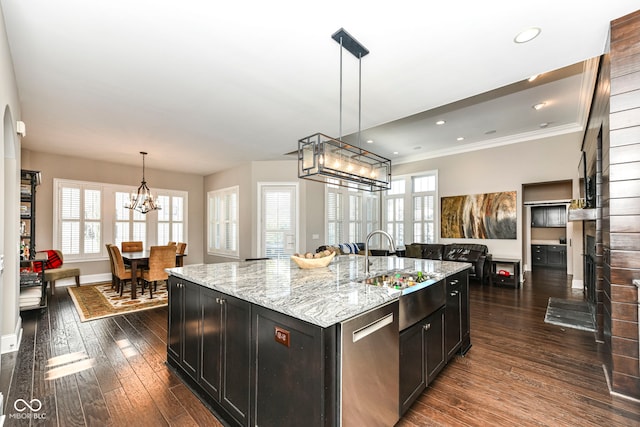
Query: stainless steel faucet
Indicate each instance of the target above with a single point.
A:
(392, 247)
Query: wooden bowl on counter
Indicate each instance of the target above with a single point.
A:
(313, 262)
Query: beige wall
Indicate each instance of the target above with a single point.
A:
(75, 168)
(9, 205)
(505, 168)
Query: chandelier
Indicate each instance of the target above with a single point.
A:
(142, 201)
(332, 161)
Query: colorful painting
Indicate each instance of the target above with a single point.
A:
(479, 216)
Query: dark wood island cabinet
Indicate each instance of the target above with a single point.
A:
(266, 356)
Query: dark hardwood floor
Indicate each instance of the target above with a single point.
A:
(519, 372)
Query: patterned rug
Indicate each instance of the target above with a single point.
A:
(99, 301)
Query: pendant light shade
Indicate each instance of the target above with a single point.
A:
(142, 201)
(333, 161)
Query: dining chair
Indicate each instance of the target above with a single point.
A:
(180, 248)
(114, 280)
(123, 275)
(171, 244)
(160, 258)
(134, 246)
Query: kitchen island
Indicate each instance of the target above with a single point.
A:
(266, 343)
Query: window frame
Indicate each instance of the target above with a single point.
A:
(408, 196)
(211, 229)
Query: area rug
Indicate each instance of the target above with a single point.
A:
(569, 314)
(99, 301)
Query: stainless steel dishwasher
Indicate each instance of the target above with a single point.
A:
(369, 368)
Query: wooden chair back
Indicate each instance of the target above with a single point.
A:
(108, 245)
(133, 246)
(180, 248)
(118, 263)
(160, 257)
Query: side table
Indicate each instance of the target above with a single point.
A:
(505, 271)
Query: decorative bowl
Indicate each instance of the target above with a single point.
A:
(313, 262)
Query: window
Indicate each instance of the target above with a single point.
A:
(78, 233)
(87, 215)
(171, 219)
(420, 225)
(424, 206)
(395, 211)
(223, 221)
(351, 214)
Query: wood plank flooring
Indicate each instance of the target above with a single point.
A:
(519, 372)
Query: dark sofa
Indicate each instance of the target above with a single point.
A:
(476, 254)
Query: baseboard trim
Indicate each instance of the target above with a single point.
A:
(577, 284)
(615, 393)
(11, 342)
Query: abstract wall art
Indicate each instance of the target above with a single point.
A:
(479, 216)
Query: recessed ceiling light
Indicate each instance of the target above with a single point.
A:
(395, 152)
(544, 125)
(532, 78)
(369, 141)
(539, 105)
(417, 147)
(527, 35)
(460, 138)
(440, 122)
(489, 132)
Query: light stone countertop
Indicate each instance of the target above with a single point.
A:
(322, 296)
(548, 242)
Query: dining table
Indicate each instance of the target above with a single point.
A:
(140, 259)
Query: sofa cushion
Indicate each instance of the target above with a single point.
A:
(413, 251)
(463, 255)
(432, 251)
(349, 248)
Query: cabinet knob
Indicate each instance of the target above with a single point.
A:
(427, 326)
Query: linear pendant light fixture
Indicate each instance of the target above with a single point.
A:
(142, 201)
(332, 161)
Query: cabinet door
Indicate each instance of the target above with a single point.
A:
(236, 363)
(211, 342)
(556, 256)
(453, 320)
(538, 217)
(191, 329)
(433, 330)
(174, 338)
(413, 379)
(556, 216)
(289, 377)
(465, 323)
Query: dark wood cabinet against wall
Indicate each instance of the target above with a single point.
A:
(549, 216)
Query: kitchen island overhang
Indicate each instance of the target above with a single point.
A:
(279, 306)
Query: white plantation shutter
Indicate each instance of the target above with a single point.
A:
(170, 219)
(223, 221)
(80, 218)
(278, 221)
(424, 206)
(334, 217)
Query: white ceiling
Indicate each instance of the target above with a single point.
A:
(204, 86)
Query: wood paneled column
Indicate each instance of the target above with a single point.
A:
(621, 207)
